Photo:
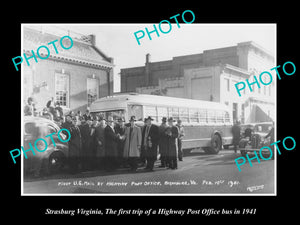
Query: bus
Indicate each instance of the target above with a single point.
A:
(207, 125)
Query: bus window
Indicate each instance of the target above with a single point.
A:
(194, 117)
(184, 114)
(174, 112)
(220, 116)
(227, 117)
(202, 116)
(150, 111)
(135, 110)
(162, 112)
(116, 114)
(211, 116)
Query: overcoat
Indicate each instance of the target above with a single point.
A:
(100, 141)
(172, 141)
(163, 140)
(133, 142)
(154, 137)
(75, 140)
(111, 142)
(85, 139)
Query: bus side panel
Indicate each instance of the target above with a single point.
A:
(200, 136)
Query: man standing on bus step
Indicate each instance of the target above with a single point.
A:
(163, 143)
(150, 138)
(179, 139)
(172, 133)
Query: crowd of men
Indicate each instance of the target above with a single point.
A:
(99, 143)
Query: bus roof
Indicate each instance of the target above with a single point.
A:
(121, 100)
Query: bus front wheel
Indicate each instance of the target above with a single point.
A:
(216, 144)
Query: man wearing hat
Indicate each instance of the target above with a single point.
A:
(29, 108)
(143, 150)
(120, 129)
(85, 140)
(74, 143)
(163, 142)
(179, 140)
(133, 141)
(100, 143)
(150, 136)
(87, 115)
(111, 144)
(172, 134)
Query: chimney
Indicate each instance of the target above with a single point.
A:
(92, 38)
(147, 69)
(148, 58)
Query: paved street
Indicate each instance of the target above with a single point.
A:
(199, 173)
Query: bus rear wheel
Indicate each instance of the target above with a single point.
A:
(216, 144)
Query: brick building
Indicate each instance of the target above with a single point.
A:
(210, 76)
(73, 77)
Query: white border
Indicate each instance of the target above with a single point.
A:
(148, 194)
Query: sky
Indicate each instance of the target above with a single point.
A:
(118, 40)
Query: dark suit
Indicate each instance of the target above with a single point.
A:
(85, 150)
(172, 133)
(150, 151)
(120, 130)
(74, 146)
(111, 147)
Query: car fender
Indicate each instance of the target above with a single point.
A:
(59, 147)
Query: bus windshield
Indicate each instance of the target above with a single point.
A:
(116, 114)
(135, 110)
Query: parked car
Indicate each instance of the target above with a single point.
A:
(53, 159)
(253, 137)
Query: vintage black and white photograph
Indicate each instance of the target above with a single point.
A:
(131, 109)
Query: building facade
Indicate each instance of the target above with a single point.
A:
(210, 76)
(73, 77)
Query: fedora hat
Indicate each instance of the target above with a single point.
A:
(171, 119)
(149, 118)
(121, 120)
(132, 118)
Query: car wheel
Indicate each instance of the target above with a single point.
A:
(56, 162)
(216, 144)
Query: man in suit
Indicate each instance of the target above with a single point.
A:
(111, 144)
(172, 133)
(100, 143)
(120, 129)
(150, 137)
(163, 142)
(85, 140)
(132, 147)
(74, 143)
